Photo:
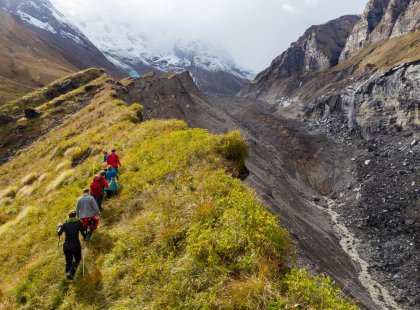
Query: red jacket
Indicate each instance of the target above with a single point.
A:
(97, 186)
(113, 160)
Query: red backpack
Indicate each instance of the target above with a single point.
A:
(96, 187)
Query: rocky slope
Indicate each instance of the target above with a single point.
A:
(381, 201)
(381, 20)
(38, 45)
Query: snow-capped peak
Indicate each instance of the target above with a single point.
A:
(43, 15)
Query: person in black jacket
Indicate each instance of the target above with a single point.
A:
(71, 247)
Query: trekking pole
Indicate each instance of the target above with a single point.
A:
(83, 263)
(56, 256)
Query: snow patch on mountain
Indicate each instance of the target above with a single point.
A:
(42, 14)
(35, 22)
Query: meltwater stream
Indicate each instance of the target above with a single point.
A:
(379, 294)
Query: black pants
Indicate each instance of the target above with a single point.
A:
(73, 254)
(109, 194)
(99, 200)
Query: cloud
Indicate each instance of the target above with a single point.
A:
(289, 7)
(252, 31)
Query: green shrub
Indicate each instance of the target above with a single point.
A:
(134, 113)
(315, 292)
(79, 155)
(233, 147)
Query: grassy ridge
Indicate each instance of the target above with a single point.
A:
(182, 233)
(54, 103)
(384, 55)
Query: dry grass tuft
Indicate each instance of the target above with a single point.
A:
(59, 181)
(26, 190)
(28, 179)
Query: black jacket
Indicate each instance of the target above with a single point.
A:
(72, 227)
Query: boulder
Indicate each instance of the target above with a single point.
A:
(31, 113)
(5, 119)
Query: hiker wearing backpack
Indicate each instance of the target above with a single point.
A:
(111, 178)
(88, 211)
(113, 160)
(105, 155)
(71, 247)
(97, 188)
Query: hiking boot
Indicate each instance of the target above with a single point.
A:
(69, 276)
(89, 235)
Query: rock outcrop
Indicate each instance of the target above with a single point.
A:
(383, 19)
(382, 104)
(319, 48)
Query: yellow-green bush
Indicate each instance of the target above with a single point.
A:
(135, 113)
(181, 233)
(233, 147)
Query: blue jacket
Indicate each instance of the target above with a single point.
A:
(111, 175)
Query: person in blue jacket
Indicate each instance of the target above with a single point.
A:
(105, 155)
(111, 177)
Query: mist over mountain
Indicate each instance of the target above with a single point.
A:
(250, 31)
(135, 50)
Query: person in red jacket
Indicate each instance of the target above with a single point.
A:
(97, 188)
(113, 160)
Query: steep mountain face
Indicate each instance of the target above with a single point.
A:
(27, 61)
(213, 69)
(319, 48)
(42, 17)
(383, 19)
(40, 45)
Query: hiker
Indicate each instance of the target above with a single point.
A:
(105, 167)
(71, 247)
(105, 153)
(87, 210)
(97, 188)
(111, 178)
(113, 160)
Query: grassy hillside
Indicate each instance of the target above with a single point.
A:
(53, 103)
(10, 89)
(181, 233)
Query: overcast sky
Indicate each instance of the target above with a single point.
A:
(252, 31)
